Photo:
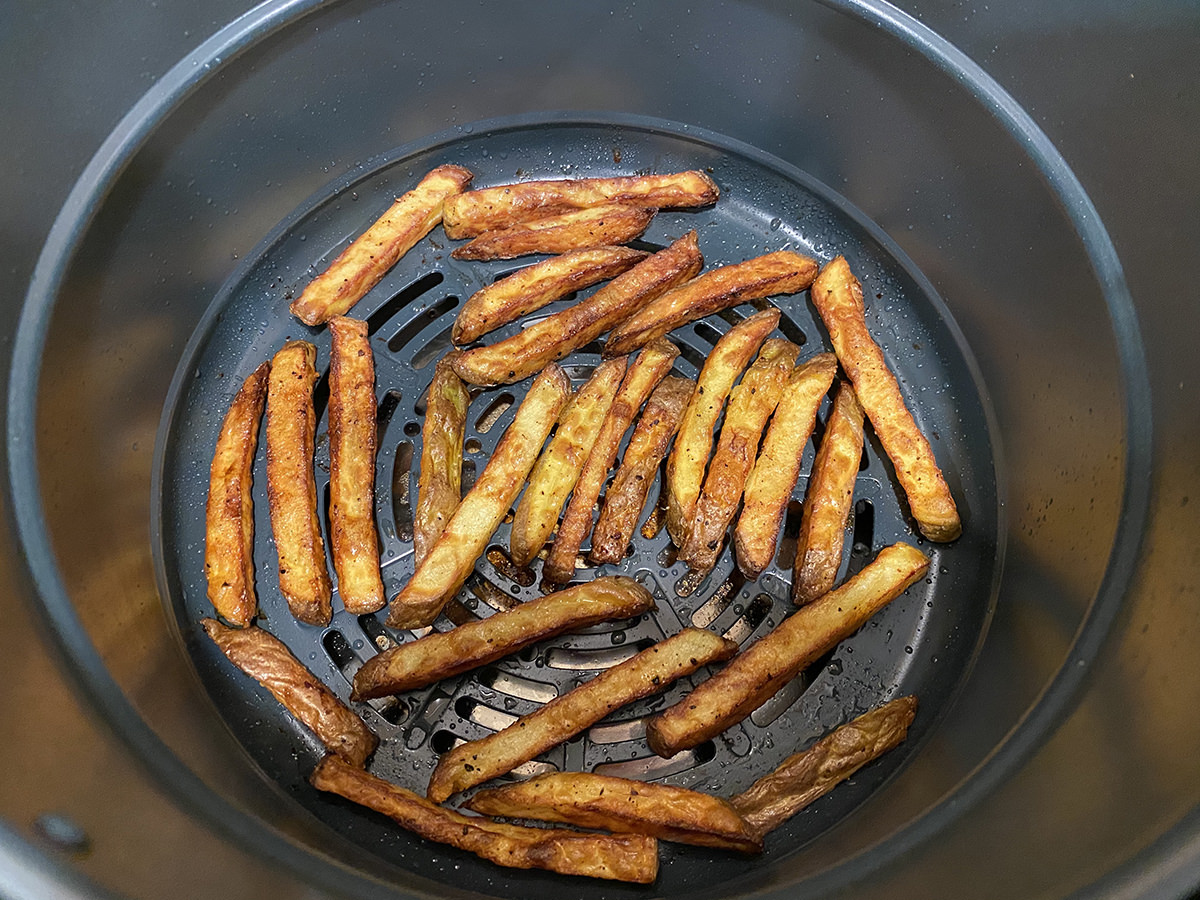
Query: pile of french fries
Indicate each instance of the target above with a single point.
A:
(553, 463)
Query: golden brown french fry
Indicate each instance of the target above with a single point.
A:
(229, 515)
(268, 661)
(352, 446)
(474, 212)
(828, 500)
(558, 468)
(453, 555)
(360, 266)
(565, 332)
(777, 657)
(782, 272)
(647, 370)
(770, 485)
(439, 484)
(693, 444)
(838, 298)
(625, 857)
(647, 673)
(626, 496)
(623, 806)
(440, 654)
(578, 229)
(803, 777)
(750, 405)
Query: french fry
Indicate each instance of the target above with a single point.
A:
(558, 468)
(828, 500)
(453, 555)
(229, 513)
(625, 857)
(565, 332)
(440, 654)
(693, 444)
(838, 298)
(647, 370)
(360, 266)
(622, 806)
(647, 673)
(439, 484)
(268, 661)
(754, 675)
(782, 272)
(626, 496)
(750, 405)
(578, 229)
(770, 485)
(474, 212)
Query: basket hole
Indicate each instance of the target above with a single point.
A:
(755, 614)
(468, 474)
(473, 446)
(375, 632)
(443, 742)
(412, 429)
(434, 349)
(498, 407)
(792, 331)
(338, 649)
(402, 507)
(387, 408)
(418, 323)
(707, 333)
(401, 299)
(716, 604)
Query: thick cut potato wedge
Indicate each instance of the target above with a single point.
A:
(558, 468)
(782, 272)
(838, 298)
(474, 212)
(268, 661)
(229, 515)
(565, 332)
(693, 444)
(647, 673)
(361, 265)
(626, 496)
(579, 229)
(777, 469)
(439, 484)
(623, 806)
(828, 501)
(803, 777)
(776, 658)
(453, 555)
(624, 857)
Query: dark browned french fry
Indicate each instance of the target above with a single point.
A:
(578, 229)
(439, 484)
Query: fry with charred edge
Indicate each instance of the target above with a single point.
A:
(352, 446)
(838, 298)
(750, 405)
(453, 555)
(623, 806)
(268, 661)
(229, 514)
(565, 332)
(770, 485)
(828, 501)
(579, 229)
(644, 674)
(625, 857)
(558, 468)
(440, 655)
(626, 496)
(439, 484)
(693, 444)
(474, 212)
(647, 370)
(782, 272)
(803, 777)
(776, 658)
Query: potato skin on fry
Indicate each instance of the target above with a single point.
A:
(578, 229)
(439, 484)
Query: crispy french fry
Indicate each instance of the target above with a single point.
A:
(578, 229)
(773, 660)
(647, 673)
(770, 485)
(558, 468)
(782, 272)
(360, 266)
(229, 515)
(838, 298)
(623, 806)
(453, 555)
(565, 332)
(268, 661)
(439, 484)
(440, 655)
(474, 212)
(626, 496)
(828, 500)
(626, 857)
